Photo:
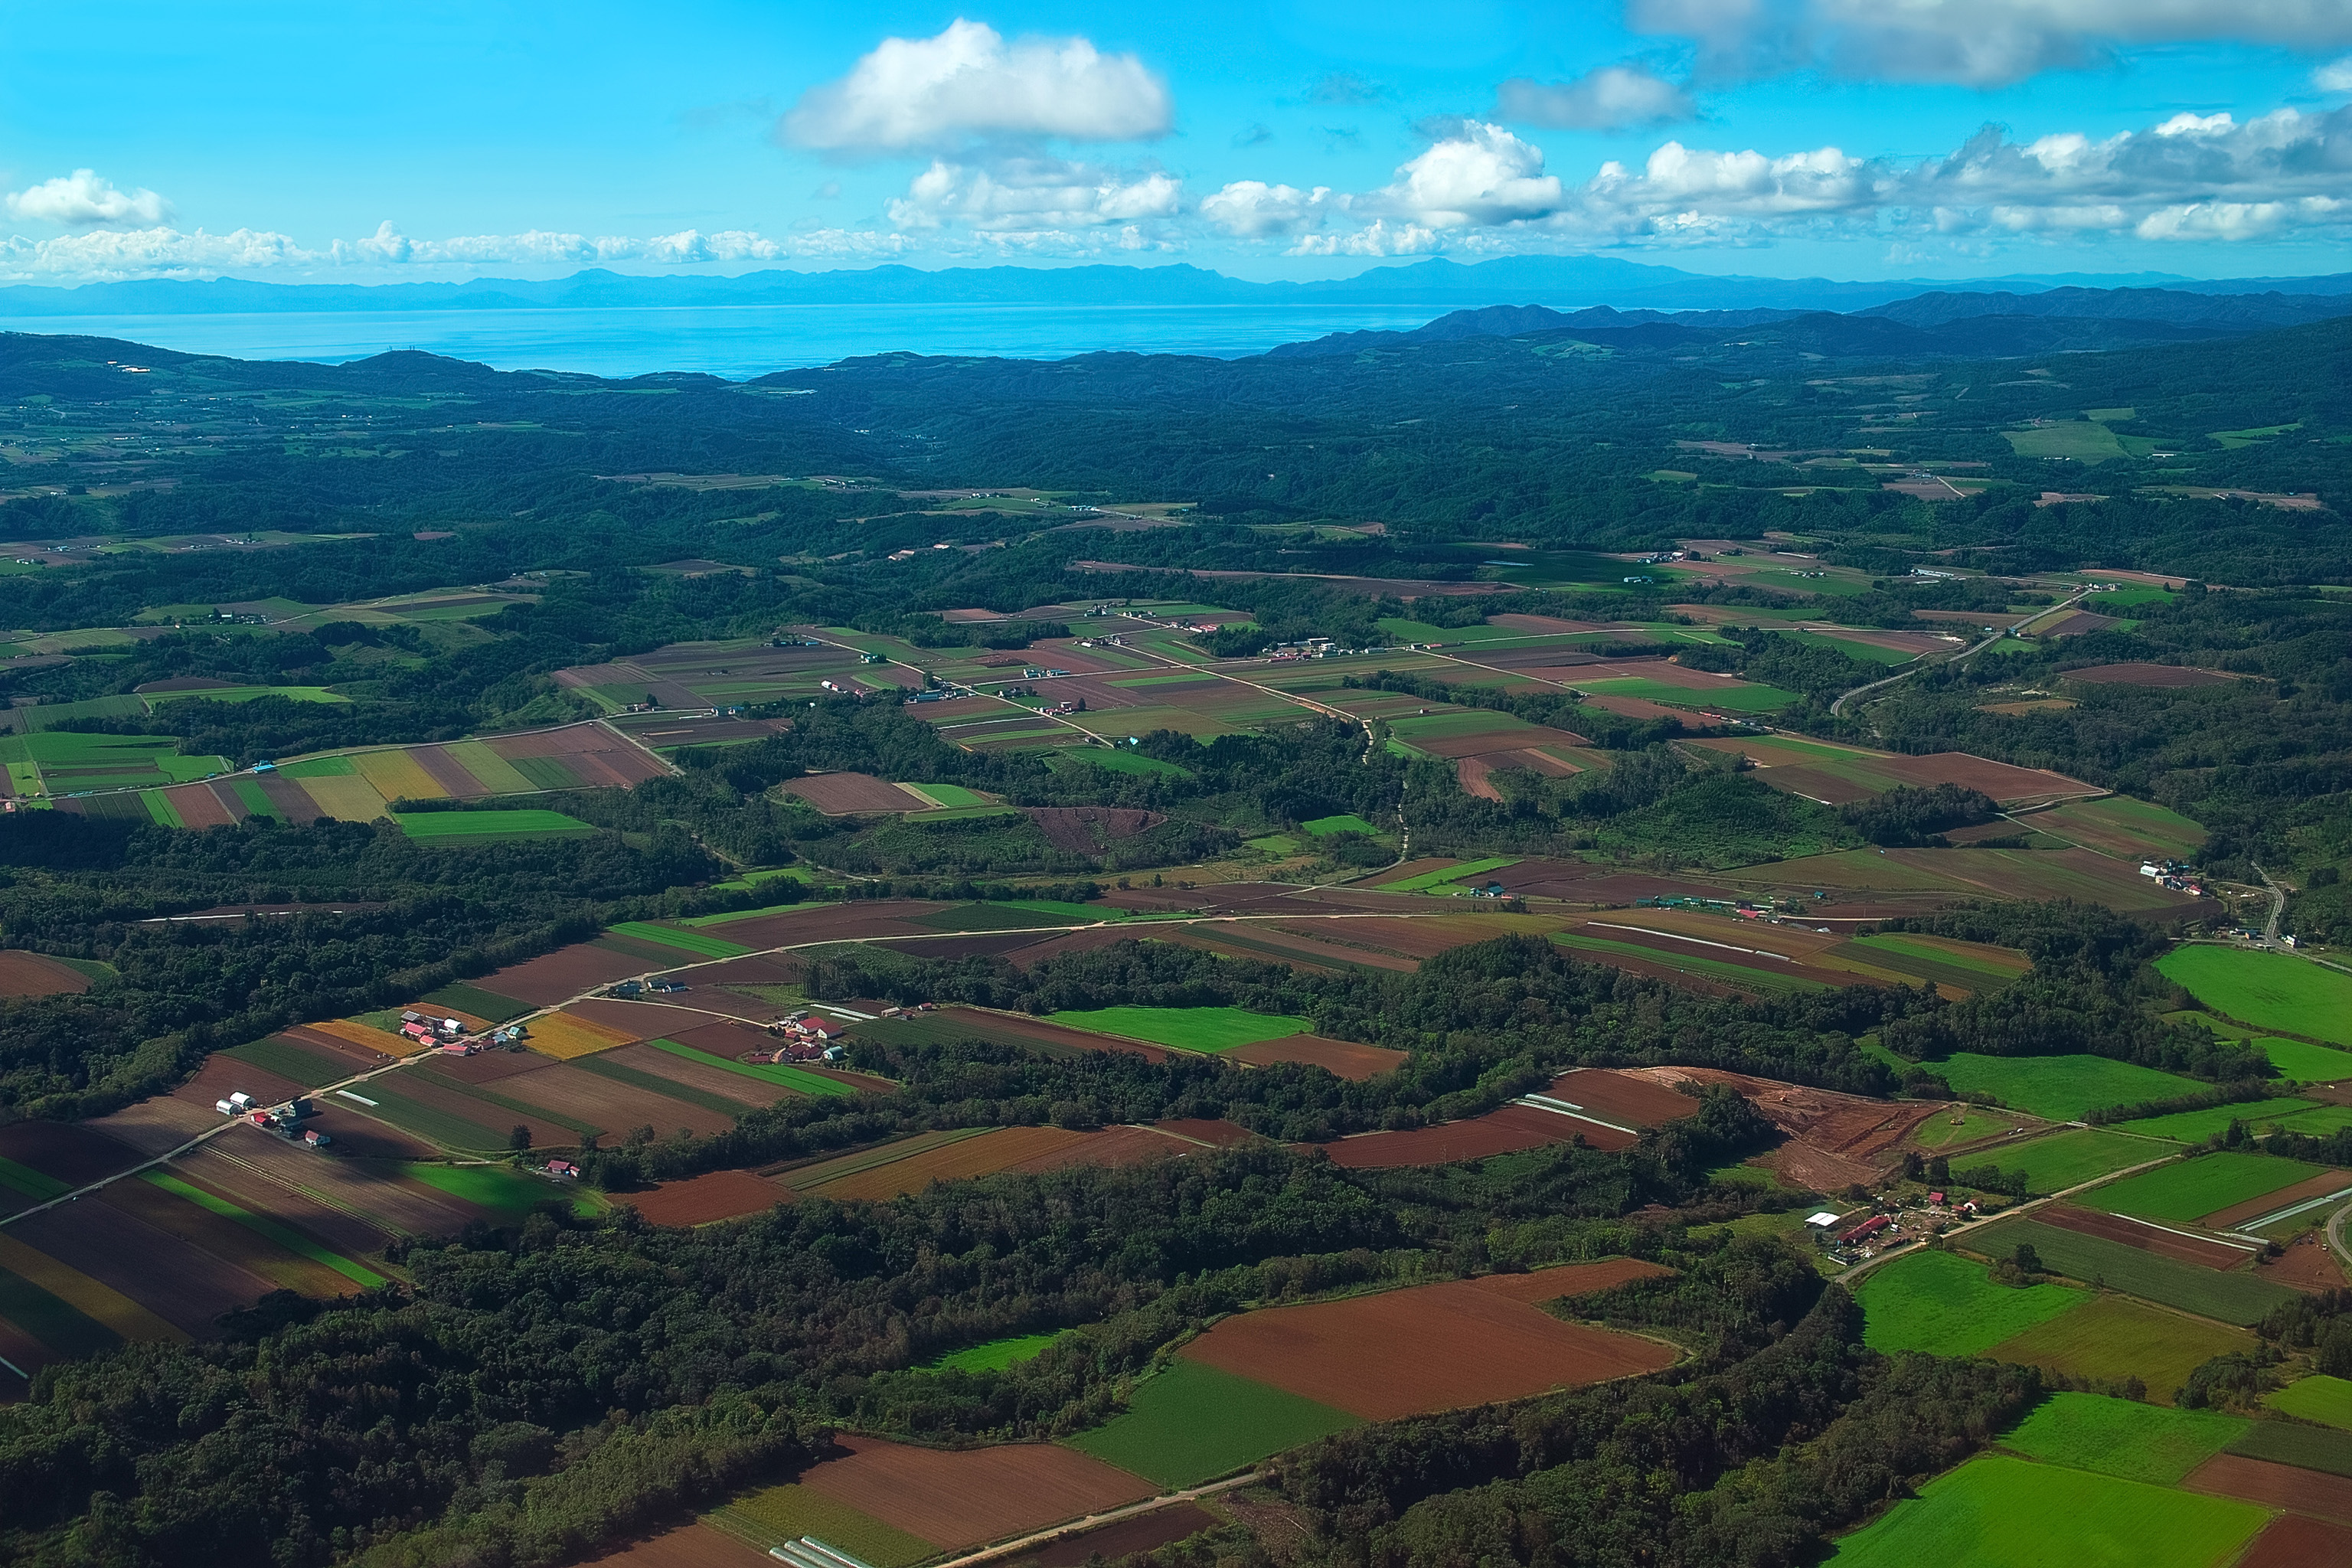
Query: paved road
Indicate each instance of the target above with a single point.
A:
(2278, 908)
(1974, 648)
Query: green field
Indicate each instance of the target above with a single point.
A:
(2310, 1447)
(2267, 990)
(287, 1059)
(1186, 1028)
(2060, 1088)
(1189, 1423)
(2063, 1160)
(34, 1184)
(792, 1077)
(2304, 1063)
(2190, 1189)
(1758, 980)
(285, 1235)
(2080, 440)
(1996, 1512)
(247, 693)
(2233, 1298)
(1429, 880)
(1998, 965)
(1734, 695)
(995, 1355)
(779, 1514)
(684, 940)
(2306, 1116)
(1116, 760)
(1323, 826)
(2119, 820)
(2326, 1400)
(503, 1190)
(2111, 1338)
(1947, 1305)
(2122, 1436)
(1940, 1132)
(457, 826)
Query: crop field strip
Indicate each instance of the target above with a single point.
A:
(2224, 1182)
(2233, 1298)
(2271, 990)
(2110, 1338)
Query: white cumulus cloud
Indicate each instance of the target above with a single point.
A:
(1613, 97)
(1015, 194)
(968, 83)
(2336, 76)
(83, 200)
(1473, 175)
(1252, 209)
(1981, 43)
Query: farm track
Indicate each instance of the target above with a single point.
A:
(1969, 652)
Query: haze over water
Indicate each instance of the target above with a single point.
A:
(738, 342)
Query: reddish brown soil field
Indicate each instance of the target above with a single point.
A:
(2080, 623)
(721, 1039)
(1090, 941)
(1407, 1352)
(31, 974)
(963, 1498)
(292, 801)
(2163, 1243)
(154, 1126)
(689, 1546)
(198, 806)
(1143, 1533)
(1999, 780)
(1003, 1149)
(486, 1066)
(2324, 1185)
(66, 1150)
(359, 1137)
(614, 1107)
(560, 975)
(1083, 829)
(1037, 1031)
(1833, 1139)
(1634, 708)
(2276, 1486)
(746, 1091)
(2294, 1541)
(838, 794)
(1115, 1147)
(830, 922)
(1540, 1285)
(352, 1203)
(983, 944)
(1471, 773)
(319, 1040)
(267, 1191)
(594, 751)
(2307, 1264)
(1504, 1132)
(2164, 675)
(221, 1076)
(1343, 1058)
(1616, 1097)
(186, 1286)
(641, 1020)
(1820, 783)
(753, 971)
(720, 1194)
(1515, 739)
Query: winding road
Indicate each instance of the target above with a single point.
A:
(1838, 707)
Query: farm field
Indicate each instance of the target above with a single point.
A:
(966, 1498)
(2110, 1338)
(1999, 1511)
(2123, 826)
(2326, 1400)
(1947, 1305)
(2191, 1189)
(2058, 1089)
(1432, 1347)
(995, 1355)
(2002, 874)
(1191, 1421)
(2122, 1437)
(1208, 1029)
(476, 827)
(2062, 1159)
(774, 1515)
(2267, 990)
(2206, 1252)
(2230, 1297)
(2306, 1116)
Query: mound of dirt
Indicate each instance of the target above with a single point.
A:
(1088, 830)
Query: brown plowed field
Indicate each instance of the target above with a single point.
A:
(1083, 829)
(361, 1137)
(225, 1239)
(990, 1153)
(635, 1020)
(689, 1546)
(1115, 1147)
(983, 944)
(1215, 1133)
(1504, 1132)
(70, 1152)
(1407, 1352)
(355, 1199)
(2274, 1486)
(746, 1091)
(1507, 741)
(1848, 1131)
(2148, 1239)
(152, 1126)
(2325, 1184)
(22, 1349)
(447, 771)
(346, 1233)
(965, 1497)
(2160, 675)
(830, 922)
(1093, 940)
(1540, 1285)
(360, 1055)
(1618, 1097)
(1342, 1058)
(293, 803)
(1143, 1533)
(1471, 773)
(719, 1195)
(1999, 780)
(221, 1076)
(613, 1107)
(31, 974)
(2307, 1264)
(1011, 1028)
(1634, 708)
(483, 1066)
(754, 970)
(560, 975)
(186, 1287)
(720, 1038)
(2294, 1541)
(839, 795)
(198, 806)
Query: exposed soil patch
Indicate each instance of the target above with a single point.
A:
(1087, 829)
(1408, 1352)
(689, 1546)
(1622, 1097)
(2274, 1486)
(70, 1152)
(839, 795)
(185, 1286)
(1539, 1285)
(155, 1126)
(2164, 1244)
(2307, 1264)
(1342, 1058)
(1115, 1147)
(1834, 1140)
(560, 975)
(2293, 1540)
(965, 1497)
(718, 1194)
(32, 974)
(1143, 1533)
(221, 1077)
(1503, 1132)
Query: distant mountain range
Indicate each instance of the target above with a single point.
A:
(1941, 322)
(1564, 281)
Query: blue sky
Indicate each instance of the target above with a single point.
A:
(368, 142)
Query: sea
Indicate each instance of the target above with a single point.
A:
(741, 342)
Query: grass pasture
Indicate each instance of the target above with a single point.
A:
(2267, 990)
(2121, 825)
(2307, 1116)
(1189, 1423)
(1210, 1029)
(2326, 1400)
(995, 1355)
(486, 826)
(2059, 1089)
(1999, 1511)
(2305, 1063)
(1944, 1304)
(2122, 1437)
(2063, 1160)
(2110, 1338)
(2189, 1190)
(2235, 1297)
